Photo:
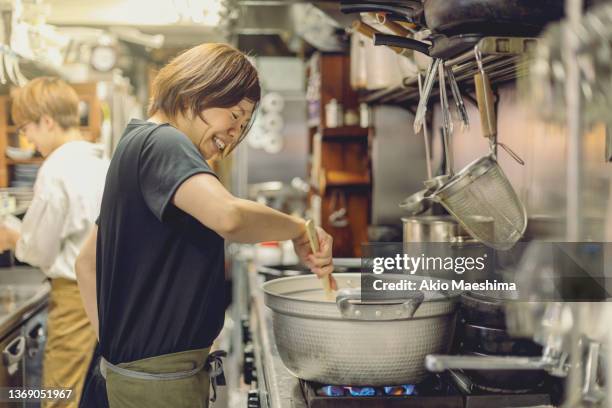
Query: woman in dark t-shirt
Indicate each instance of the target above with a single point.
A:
(151, 274)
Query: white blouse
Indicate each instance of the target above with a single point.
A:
(65, 205)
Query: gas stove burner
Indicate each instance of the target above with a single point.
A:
(361, 391)
(431, 393)
(434, 392)
(406, 389)
(331, 391)
(346, 390)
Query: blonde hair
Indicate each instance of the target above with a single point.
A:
(46, 96)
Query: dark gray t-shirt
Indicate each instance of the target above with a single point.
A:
(159, 271)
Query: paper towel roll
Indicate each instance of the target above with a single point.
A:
(272, 102)
(273, 122)
(274, 143)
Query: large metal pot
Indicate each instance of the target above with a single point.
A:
(349, 342)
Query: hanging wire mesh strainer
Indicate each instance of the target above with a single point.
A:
(480, 190)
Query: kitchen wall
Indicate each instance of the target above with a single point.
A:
(541, 183)
(291, 161)
(285, 76)
(398, 163)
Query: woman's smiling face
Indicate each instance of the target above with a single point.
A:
(215, 131)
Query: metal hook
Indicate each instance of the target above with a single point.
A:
(508, 150)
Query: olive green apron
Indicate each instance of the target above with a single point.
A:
(178, 380)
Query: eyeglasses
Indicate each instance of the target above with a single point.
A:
(21, 128)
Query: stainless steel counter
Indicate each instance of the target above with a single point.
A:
(278, 388)
(23, 291)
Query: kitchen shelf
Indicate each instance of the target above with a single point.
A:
(340, 156)
(345, 132)
(358, 186)
(339, 178)
(87, 93)
(33, 160)
(504, 59)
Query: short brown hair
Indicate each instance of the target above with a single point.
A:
(46, 96)
(206, 76)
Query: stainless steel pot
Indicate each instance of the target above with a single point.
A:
(355, 343)
(437, 228)
(443, 236)
(432, 228)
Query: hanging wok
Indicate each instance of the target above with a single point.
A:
(457, 25)
(453, 17)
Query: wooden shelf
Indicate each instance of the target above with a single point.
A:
(336, 178)
(339, 168)
(33, 160)
(87, 92)
(345, 132)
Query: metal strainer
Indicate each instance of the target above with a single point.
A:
(482, 189)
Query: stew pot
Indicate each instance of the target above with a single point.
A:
(348, 341)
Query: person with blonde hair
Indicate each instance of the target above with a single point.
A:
(65, 204)
(152, 272)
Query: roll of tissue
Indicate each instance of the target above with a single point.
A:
(272, 102)
(273, 122)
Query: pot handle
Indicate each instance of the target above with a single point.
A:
(412, 15)
(351, 307)
(401, 42)
(438, 363)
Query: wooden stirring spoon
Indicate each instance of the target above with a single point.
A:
(314, 245)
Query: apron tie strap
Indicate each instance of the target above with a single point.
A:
(214, 366)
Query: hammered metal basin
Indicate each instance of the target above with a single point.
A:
(316, 343)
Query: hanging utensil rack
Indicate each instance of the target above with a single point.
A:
(504, 59)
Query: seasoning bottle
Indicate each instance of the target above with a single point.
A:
(364, 115)
(333, 114)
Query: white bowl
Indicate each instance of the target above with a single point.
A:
(16, 153)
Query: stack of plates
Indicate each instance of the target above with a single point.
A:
(25, 175)
(21, 195)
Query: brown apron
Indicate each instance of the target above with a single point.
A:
(178, 380)
(70, 342)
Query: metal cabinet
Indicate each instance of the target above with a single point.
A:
(35, 334)
(12, 364)
(21, 359)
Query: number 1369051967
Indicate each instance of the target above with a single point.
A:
(34, 394)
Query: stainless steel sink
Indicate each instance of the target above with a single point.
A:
(23, 290)
(13, 297)
(21, 275)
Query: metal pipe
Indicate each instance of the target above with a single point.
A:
(438, 363)
(574, 143)
(573, 9)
